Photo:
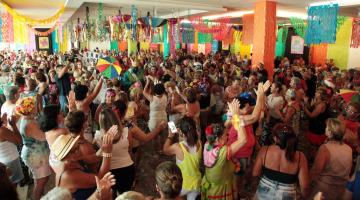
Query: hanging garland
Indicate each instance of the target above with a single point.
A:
(40, 33)
(322, 22)
(355, 36)
(134, 20)
(340, 21)
(299, 25)
(88, 31)
(207, 26)
(101, 32)
(33, 21)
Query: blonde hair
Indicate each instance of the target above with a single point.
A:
(169, 179)
(335, 128)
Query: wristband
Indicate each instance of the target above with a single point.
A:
(107, 155)
(236, 120)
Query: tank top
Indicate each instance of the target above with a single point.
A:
(279, 176)
(8, 152)
(120, 152)
(158, 107)
(189, 167)
(337, 169)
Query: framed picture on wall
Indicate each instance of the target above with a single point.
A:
(43, 42)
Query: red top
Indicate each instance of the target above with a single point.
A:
(353, 127)
(247, 149)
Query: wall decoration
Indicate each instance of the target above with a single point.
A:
(297, 45)
(339, 51)
(43, 42)
(248, 28)
(281, 41)
(322, 23)
(355, 35)
(32, 21)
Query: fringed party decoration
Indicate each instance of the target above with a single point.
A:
(114, 45)
(134, 21)
(88, 31)
(1, 28)
(43, 33)
(204, 38)
(339, 22)
(299, 26)
(172, 34)
(318, 53)
(281, 41)
(355, 36)
(322, 22)
(196, 42)
(101, 31)
(123, 46)
(7, 27)
(64, 41)
(55, 45)
(145, 46)
(166, 42)
(215, 46)
(32, 21)
(187, 33)
(248, 28)
(132, 47)
(340, 50)
(207, 26)
(157, 35)
(31, 45)
(201, 48)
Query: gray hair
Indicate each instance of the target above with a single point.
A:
(10, 92)
(58, 193)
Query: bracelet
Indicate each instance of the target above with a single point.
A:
(107, 155)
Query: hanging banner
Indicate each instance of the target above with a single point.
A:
(132, 47)
(322, 23)
(297, 45)
(215, 46)
(355, 36)
(201, 48)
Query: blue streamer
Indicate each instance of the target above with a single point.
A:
(215, 46)
(134, 20)
(322, 23)
(55, 45)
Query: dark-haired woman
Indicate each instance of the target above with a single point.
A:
(218, 179)
(281, 166)
(333, 162)
(50, 121)
(188, 156)
(83, 101)
(191, 107)
(158, 103)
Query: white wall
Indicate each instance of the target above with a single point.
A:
(354, 58)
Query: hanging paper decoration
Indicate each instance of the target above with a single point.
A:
(215, 46)
(134, 20)
(114, 45)
(7, 28)
(166, 42)
(101, 31)
(172, 34)
(55, 44)
(207, 26)
(204, 38)
(45, 33)
(201, 48)
(322, 22)
(339, 22)
(299, 26)
(132, 47)
(196, 42)
(318, 53)
(248, 28)
(221, 35)
(355, 36)
(340, 50)
(33, 21)
(31, 46)
(123, 46)
(0, 27)
(281, 41)
(187, 33)
(145, 46)
(158, 35)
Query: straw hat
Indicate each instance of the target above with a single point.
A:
(62, 145)
(131, 195)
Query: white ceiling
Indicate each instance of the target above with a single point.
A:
(164, 8)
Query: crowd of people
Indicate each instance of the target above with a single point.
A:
(230, 125)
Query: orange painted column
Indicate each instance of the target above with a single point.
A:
(265, 35)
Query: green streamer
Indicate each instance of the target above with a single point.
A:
(166, 42)
(204, 38)
(340, 21)
(299, 26)
(281, 42)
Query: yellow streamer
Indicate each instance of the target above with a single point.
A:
(340, 50)
(239, 46)
(30, 20)
(144, 46)
(63, 44)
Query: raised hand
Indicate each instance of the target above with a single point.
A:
(104, 186)
(266, 86)
(260, 90)
(107, 143)
(234, 107)
(71, 101)
(113, 131)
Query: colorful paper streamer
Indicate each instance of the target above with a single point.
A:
(340, 50)
(322, 23)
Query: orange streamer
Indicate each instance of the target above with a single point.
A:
(318, 54)
(248, 28)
